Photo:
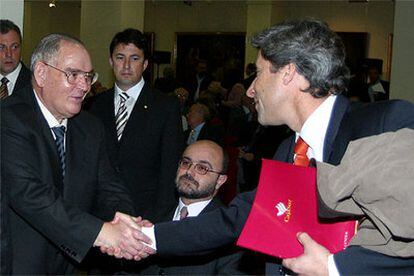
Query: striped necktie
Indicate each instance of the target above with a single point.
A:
(60, 144)
(121, 117)
(4, 92)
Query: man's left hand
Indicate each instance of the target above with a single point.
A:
(314, 260)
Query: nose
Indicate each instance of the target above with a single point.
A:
(250, 91)
(83, 84)
(8, 51)
(127, 63)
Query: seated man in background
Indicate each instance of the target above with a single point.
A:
(201, 172)
(200, 127)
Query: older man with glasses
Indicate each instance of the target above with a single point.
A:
(55, 168)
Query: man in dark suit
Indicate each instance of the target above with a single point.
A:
(145, 143)
(200, 81)
(55, 168)
(13, 73)
(201, 172)
(200, 126)
(298, 82)
(378, 89)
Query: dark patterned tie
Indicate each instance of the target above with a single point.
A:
(183, 213)
(121, 117)
(60, 144)
(4, 92)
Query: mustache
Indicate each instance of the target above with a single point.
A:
(188, 178)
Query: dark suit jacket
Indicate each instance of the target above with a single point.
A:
(51, 221)
(147, 154)
(213, 132)
(23, 79)
(223, 226)
(223, 261)
(192, 86)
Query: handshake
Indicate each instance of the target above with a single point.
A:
(122, 238)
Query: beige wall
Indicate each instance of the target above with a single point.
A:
(100, 21)
(95, 22)
(40, 20)
(374, 17)
(403, 57)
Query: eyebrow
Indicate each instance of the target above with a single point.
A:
(205, 162)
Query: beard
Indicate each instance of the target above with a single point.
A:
(188, 187)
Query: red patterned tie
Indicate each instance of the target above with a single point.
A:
(301, 148)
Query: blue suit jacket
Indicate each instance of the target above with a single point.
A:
(224, 225)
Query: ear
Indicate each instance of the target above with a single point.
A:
(111, 62)
(220, 181)
(288, 73)
(40, 74)
(145, 64)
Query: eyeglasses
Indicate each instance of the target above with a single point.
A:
(186, 164)
(76, 75)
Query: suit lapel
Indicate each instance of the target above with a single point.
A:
(139, 114)
(44, 130)
(76, 153)
(338, 112)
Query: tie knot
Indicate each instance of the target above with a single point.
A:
(4, 80)
(124, 97)
(59, 131)
(301, 147)
(183, 213)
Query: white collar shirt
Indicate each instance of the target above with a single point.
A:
(51, 120)
(193, 209)
(314, 129)
(133, 94)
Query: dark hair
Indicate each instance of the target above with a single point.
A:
(225, 163)
(128, 36)
(7, 26)
(250, 68)
(317, 52)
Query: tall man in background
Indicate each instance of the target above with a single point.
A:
(142, 128)
(13, 73)
(55, 167)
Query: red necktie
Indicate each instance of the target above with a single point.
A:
(301, 148)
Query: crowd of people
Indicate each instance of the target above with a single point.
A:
(128, 181)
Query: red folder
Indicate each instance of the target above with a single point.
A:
(285, 204)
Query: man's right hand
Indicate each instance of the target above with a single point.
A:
(123, 238)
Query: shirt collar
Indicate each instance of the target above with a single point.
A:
(199, 127)
(193, 209)
(314, 129)
(51, 120)
(133, 92)
(12, 77)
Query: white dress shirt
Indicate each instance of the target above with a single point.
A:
(51, 120)
(133, 94)
(193, 209)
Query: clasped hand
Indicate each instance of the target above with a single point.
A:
(122, 238)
